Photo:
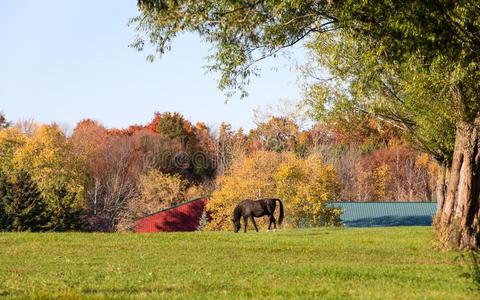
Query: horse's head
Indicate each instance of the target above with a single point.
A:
(236, 225)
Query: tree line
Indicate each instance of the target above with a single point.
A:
(102, 179)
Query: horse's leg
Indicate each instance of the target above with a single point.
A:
(272, 220)
(269, 223)
(245, 221)
(254, 224)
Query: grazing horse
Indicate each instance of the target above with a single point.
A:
(255, 209)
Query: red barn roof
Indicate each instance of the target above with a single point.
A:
(181, 217)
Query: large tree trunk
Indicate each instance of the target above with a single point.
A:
(441, 186)
(458, 217)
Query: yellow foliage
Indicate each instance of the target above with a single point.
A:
(48, 157)
(304, 185)
(382, 177)
(156, 191)
(11, 139)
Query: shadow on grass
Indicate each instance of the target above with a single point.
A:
(124, 291)
(389, 221)
(471, 260)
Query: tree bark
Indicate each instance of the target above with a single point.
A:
(457, 220)
(441, 186)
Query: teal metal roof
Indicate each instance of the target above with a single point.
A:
(369, 214)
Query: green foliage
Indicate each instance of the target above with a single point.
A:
(414, 64)
(242, 32)
(3, 191)
(326, 263)
(405, 96)
(174, 126)
(23, 205)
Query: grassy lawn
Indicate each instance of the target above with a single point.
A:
(375, 263)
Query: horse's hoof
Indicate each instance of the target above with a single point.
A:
(275, 230)
(268, 230)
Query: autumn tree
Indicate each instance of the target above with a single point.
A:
(48, 157)
(90, 143)
(187, 149)
(394, 173)
(304, 185)
(436, 41)
(276, 134)
(230, 145)
(11, 139)
(124, 163)
(117, 161)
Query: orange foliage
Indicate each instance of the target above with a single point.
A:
(395, 173)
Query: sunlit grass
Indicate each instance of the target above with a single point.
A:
(375, 263)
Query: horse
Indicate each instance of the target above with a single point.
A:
(255, 209)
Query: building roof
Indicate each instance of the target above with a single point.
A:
(171, 207)
(185, 216)
(369, 214)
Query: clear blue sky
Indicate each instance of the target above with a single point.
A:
(64, 61)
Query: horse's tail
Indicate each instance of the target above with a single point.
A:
(280, 217)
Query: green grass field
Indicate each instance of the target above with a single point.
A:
(375, 263)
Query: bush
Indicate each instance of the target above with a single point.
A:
(307, 185)
(304, 185)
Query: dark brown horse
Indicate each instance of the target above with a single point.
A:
(255, 209)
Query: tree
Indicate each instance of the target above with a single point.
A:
(61, 178)
(3, 121)
(3, 192)
(157, 191)
(437, 41)
(277, 134)
(230, 145)
(243, 32)
(23, 204)
(419, 70)
(90, 141)
(186, 150)
(304, 185)
(124, 162)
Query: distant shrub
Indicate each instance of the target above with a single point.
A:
(202, 223)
